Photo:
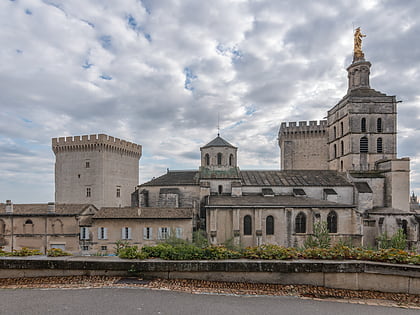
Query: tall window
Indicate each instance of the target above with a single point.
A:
(269, 225)
(147, 233)
(379, 145)
(363, 125)
(335, 132)
(118, 192)
(364, 145)
(87, 164)
(163, 233)
(379, 125)
(247, 225)
(102, 233)
(341, 166)
(178, 232)
(219, 158)
(342, 148)
(84, 233)
(231, 160)
(126, 233)
(207, 159)
(404, 227)
(88, 192)
(342, 128)
(332, 222)
(300, 223)
(335, 150)
(220, 189)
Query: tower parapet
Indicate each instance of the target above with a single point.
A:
(303, 128)
(96, 141)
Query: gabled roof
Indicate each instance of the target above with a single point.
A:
(42, 209)
(175, 178)
(143, 213)
(274, 201)
(218, 142)
(294, 178)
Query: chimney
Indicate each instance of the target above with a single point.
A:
(9, 206)
(51, 207)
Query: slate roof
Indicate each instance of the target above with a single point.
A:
(388, 211)
(143, 213)
(42, 209)
(363, 187)
(293, 178)
(273, 201)
(218, 142)
(175, 178)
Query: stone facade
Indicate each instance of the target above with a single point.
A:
(95, 169)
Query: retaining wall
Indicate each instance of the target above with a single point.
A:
(354, 275)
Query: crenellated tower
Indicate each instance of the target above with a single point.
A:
(97, 169)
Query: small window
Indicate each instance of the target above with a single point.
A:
(163, 233)
(247, 225)
(379, 145)
(219, 158)
(178, 232)
(102, 233)
(29, 221)
(379, 125)
(88, 192)
(104, 247)
(300, 223)
(147, 233)
(363, 125)
(231, 160)
(332, 222)
(220, 189)
(364, 145)
(85, 247)
(84, 233)
(118, 192)
(269, 225)
(126, 233)
(87, 164)
(207, 159)
(342, 148)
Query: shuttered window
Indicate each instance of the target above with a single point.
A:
(126, 233)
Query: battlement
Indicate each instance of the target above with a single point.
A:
(94, 142)
(303, 128)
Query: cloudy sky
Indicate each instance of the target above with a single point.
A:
(158, 72)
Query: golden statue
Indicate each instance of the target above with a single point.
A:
(358, 53)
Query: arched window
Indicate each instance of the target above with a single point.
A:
(207, 159)
(335, 132)
(269, 225)
(300, 223)
(342, 148)
(231, 160)
(364, 145)
(332, 222)
(29, 221)
(219, 158)
(247, 225)
(379, 125)
(335, 150)
(220, 189)
(404, 227)
(363, 125)
(342, 128)
(379, 145)
(342, 166)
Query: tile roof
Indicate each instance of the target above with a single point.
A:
(218, 142)
(293, 178)
(175, 178)
(42, 208)
(273, 201)
(143, 213)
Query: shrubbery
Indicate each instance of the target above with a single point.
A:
(57, 252)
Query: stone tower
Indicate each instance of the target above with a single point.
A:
(362, 127)
(95, 169)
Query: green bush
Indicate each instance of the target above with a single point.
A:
(398, 240)
(271, 252)
(24, 251)
(131, 252)
(321, 237)
(57, 252)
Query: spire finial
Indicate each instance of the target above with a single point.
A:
(218, 124)
(357, 51)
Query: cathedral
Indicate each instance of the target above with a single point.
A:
(343, 171)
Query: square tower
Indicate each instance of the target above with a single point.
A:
(96, 169)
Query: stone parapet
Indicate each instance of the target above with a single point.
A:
(307, 128)
(93, 142)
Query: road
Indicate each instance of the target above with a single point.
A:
(146, 301)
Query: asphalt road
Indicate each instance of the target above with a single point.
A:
(146, 301)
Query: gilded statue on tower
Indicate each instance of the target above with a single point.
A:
(358, 53)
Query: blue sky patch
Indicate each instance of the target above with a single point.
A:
(106, 41)
(189, 78)
(28, 12)
(106, 77)
(18, 51)
(251, 109)
(146, 7)
(89, 23)
(87, 64)
(131, 21)
(148, 37)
